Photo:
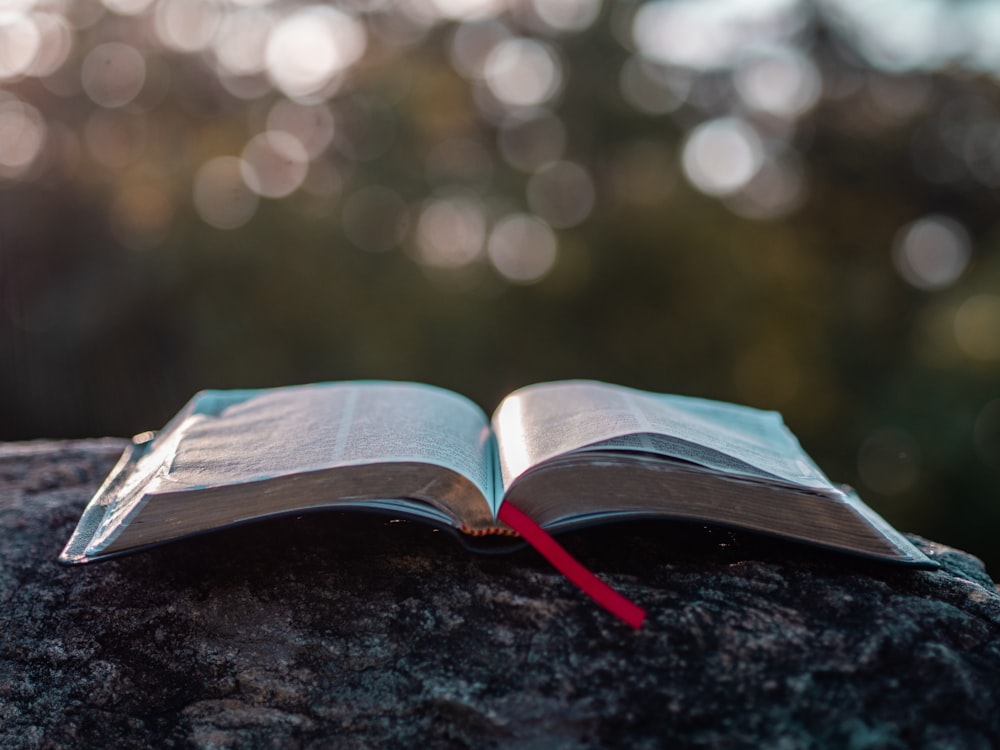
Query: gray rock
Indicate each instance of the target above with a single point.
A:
(332, 630)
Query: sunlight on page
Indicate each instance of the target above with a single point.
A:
(510, 423)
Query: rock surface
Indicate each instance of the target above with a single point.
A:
(338, 631)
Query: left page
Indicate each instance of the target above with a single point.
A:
(228, 451)
(225, 437)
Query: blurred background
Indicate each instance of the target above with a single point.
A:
(792, 205)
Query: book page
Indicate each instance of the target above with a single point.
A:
(224, 441)
(233, 437)
(540, 422)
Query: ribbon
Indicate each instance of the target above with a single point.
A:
(565, 563)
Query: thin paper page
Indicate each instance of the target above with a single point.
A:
(261, 434)
(226, 438)
(539, 422)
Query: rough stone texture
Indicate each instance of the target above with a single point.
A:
(339, 631)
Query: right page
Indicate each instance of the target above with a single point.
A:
(578, 453)
(542, 421)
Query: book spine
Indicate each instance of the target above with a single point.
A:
(490, 531)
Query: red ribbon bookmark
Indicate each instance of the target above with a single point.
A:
(566, 564)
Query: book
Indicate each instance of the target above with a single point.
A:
(560, 456)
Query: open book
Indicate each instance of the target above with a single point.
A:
(554, 457)
(566, 454)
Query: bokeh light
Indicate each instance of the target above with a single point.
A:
(782, 82)
(775, 191)
(54, 45)
(451, 231)
(22, 136)
(465, 9)
(84, 14)
(567, 16)
(529, 139)
(113, 74)
(186, 25)
(221, 195)
(471, 44)
(931, 252)
(710, 35)
(308, 50)
(522, 248)
(562, 193)
(720, 157)
(901, 35)
(653, 88)
(240, 43)
(127, 7)
(20, 41)
(523, 72)
(311, 125)
(274, 164)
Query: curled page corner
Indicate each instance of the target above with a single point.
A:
(621, 607)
